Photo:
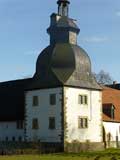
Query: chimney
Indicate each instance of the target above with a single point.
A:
(114, 82)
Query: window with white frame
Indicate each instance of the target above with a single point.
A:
(51, 122)
(35, 124)
(6, 138)
(13, 139)
(52, 99)
(35, 101)
(83, 99)
(20, 139)
(82, 122)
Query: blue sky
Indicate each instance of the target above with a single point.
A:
(23, 25)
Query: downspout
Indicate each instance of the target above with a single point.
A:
(62, 120)
(90, 105)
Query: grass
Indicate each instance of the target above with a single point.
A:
(110, 154)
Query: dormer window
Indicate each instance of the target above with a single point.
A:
(112, 112)
(109, 110)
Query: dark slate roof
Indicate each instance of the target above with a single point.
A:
(12, 99)
(66, 22)
(64, 64)
(63, 23)
(115, 86)
(59, 1)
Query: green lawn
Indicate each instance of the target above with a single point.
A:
(111, 154)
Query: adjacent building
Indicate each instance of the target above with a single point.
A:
(111, 117)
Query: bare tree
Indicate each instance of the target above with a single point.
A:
(103, 77)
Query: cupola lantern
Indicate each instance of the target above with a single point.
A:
(63, 7)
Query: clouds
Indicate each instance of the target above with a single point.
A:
(95, 39)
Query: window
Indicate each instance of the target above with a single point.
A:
(80, 99)
(20, 124)
(20, 139)
(35, 101)
(109, 110)
(6, 138)
(52, 99)
(35, 123)
(82, 122)
(13, 139)
(52, 123)
(83, 99)
(112, 112)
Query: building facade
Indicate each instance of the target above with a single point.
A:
(63, 75)
(62, 102)
(111, 117)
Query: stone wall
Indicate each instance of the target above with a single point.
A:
(9, 148)
(76, 147)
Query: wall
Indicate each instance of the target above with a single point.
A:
(73, 110)
(112, 134)
(42, 113)
(8, 129)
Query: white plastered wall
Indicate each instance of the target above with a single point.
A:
(9, 130)
(42, 112)
(112, 128)
(93, 111)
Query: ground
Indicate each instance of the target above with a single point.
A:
(111, 154)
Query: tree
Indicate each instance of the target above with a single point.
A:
(103, 77)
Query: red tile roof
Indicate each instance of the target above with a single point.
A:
(111, 96)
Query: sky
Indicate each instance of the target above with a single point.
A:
(23, 35)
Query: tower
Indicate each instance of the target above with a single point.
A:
(68, 96)
(62, 28)
(63, 61)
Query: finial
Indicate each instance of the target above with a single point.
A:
(63, 7)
